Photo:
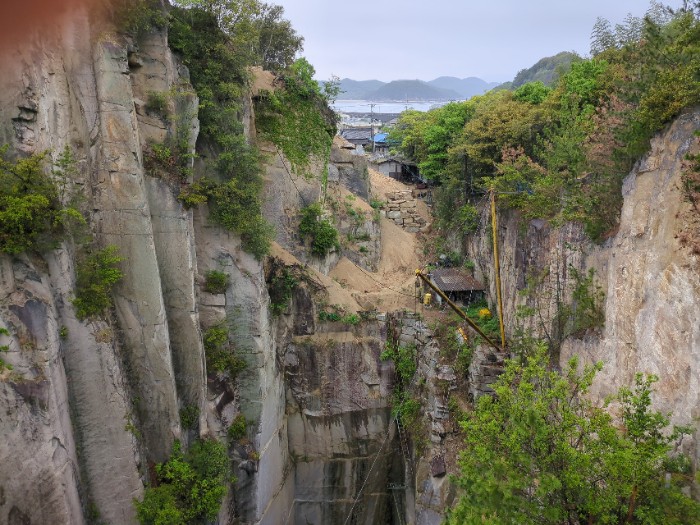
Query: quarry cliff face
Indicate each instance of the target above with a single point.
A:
(90, 407)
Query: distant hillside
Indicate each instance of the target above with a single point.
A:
(466, 87)
(411, 90)
(547, 70)
(357, 89)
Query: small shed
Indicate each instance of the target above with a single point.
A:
(399, 169)
(457, 284)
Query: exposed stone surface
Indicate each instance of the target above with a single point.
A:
(650, 279)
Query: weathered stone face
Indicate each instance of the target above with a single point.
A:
(650, 279)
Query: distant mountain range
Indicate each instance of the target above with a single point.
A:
(443, 88)
(546, 70)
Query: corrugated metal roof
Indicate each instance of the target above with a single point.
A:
(455, 280)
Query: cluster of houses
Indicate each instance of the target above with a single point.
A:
(457, 283)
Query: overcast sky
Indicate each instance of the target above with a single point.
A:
(409, 39)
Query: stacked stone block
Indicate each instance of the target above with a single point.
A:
(401, 208)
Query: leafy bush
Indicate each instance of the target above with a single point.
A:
(32, 215)
(138, 16)
(237, 429)
(97, 273)
(298, 104)
(281, 285)
(320, 231)
(219, 72)
(540, 451)
(219, 352)
(4, 348)
(189, 486)
(189, 417)
(338, 316)
(406, 409)
(157, 103)
(405, 361)
(216, 282)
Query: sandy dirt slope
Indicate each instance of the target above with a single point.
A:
(392, 287)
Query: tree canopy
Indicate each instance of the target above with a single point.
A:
(540, 452)
(564, 149)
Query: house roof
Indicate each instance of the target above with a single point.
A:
(381, 137)
(357, 134)
(455, 280)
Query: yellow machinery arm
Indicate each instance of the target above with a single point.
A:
(457, 310)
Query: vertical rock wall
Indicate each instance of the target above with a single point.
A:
(648, 273)
(85, 399)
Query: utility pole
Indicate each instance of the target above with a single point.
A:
(371, 123)
(497, 265)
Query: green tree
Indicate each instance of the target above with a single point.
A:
(540, 452)
(32, 215)
(189, 488)
(278, 43)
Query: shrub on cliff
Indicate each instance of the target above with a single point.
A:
(96, 274)
(189, 486)
(32, 215)
(319, 231)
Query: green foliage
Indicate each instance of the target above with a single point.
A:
(157, 103)
(32, 216)
(321, 232)
(406, 409)
(377, 204)
(237, 429)
(138, 16)
(189, 486)
(405, 359)
(4, 348)
(96, 274)
(219, 352)
(587, 302)
(295, 117)
(532, 92)
(189, 417)
(216, 282)
(561, 153)
(427, 136)
(214, 49)
(281, 285)
(487, 323)
(337, 315)
(540, 452)
(468, 218)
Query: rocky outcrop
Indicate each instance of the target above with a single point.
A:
(652, 282)
(648, 271)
